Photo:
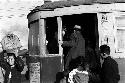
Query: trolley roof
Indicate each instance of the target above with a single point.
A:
(60, 4)
(51, 6)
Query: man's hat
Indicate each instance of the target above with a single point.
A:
(77, 27)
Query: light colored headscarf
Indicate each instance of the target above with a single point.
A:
(77, 27)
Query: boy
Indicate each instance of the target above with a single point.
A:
(109, 70)
(13, 68)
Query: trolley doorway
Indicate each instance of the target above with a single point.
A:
(89, 24)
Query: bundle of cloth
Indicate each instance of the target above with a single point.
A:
(78, 75)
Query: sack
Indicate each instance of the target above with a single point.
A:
(81, 78)
(11, 41)
(94, 78)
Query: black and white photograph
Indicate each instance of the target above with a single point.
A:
(62, 41)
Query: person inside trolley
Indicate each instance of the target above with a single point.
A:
(77, 47)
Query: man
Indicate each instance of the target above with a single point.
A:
(13, 68)
(109, 70)
(77, 44)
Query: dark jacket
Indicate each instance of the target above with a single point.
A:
(110, 71)
(15, 71)
(77, 44)
(94, 66)
(90, 57)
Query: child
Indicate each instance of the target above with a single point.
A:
(13, 68)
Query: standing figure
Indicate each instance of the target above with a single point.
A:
(109, 70)
(13, 68)
(77, 44)
(94, 66)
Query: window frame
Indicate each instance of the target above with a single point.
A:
(116, 28)
(59, 30)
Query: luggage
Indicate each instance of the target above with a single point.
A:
(76, 76)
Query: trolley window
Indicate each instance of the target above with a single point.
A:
(52, 46)
(120, 34)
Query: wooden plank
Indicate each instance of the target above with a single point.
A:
(59, 21)
(119, 7)
(95, 8)
(42, 38)
(50, 66)
(33, 39)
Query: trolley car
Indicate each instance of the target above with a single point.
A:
(101, 23)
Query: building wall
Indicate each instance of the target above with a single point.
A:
(106, 28)
(107, 33)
